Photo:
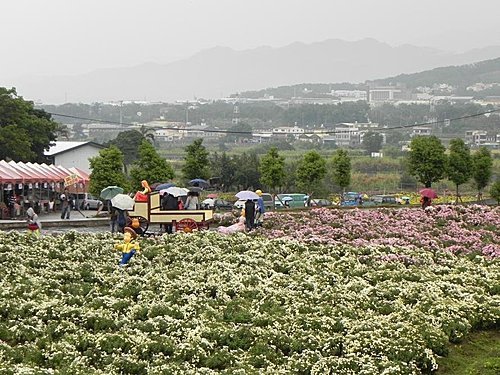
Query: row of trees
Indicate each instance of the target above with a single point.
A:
(239, 171)
(427, 161)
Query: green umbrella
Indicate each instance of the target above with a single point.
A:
(110, 191)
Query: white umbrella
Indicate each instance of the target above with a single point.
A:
(123, 202)
(247, 194)
(287, 199)
(176, 191)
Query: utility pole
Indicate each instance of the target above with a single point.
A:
(121, 112)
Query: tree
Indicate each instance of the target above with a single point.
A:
(272, 169)
(482, 165)
(196, 161)
(25, 132)
(341, 173)
(310, 172)
(148, 133)
(128, 143)
(107, 169)
(459, 163)
(225, 168)
(372, 141)
(150, 167)
(247, 173)
(242, 131)
(495, 191)
(427, 160)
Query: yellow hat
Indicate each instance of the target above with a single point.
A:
(258, 192)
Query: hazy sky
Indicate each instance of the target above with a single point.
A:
(76, 36)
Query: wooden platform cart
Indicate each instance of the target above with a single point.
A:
(150, 212)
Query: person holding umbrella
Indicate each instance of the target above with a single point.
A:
(169, 203)
(259, 216)
(427, 195)
(107, 194)
(192, 202)
(250, 214)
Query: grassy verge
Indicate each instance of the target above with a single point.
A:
(479, 355)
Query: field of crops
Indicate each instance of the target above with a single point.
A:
(327, 291)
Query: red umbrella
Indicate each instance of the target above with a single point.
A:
(212, 195)
(429, 193)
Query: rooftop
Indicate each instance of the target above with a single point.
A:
(62, 146)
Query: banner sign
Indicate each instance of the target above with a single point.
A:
(72, 179)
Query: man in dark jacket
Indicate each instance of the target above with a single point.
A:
(250, 214)
(169, 203)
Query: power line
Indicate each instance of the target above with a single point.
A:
(227, 131)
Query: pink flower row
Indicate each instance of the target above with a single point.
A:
(458, 229)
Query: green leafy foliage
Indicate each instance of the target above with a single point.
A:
(272, 169)
(107, 169)
(459, 163)
(310, 172)
(150, 167)
(482, 165)
(25, 132)
(128, 142)
(427, 160)
(495, 191)
(223, 167)
(341, 168)
(247, 173)
(196, 161)
(372, 142)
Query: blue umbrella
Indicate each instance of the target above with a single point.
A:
(164, 186)
(199, 182)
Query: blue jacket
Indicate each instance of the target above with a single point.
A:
(260, 205)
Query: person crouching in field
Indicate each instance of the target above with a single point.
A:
(128, 247)
(34, 224)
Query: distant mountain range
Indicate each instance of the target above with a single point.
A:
(222, 71)
(459, 76)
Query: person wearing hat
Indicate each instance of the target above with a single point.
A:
(259, 214)
(128, 247)
(34, 224)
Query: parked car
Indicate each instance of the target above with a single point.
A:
(216, 204)
(350, 199)
(239, 204)
(268, 201)
(384, 199)
(86, 201)
(294, 199)
(320, 202)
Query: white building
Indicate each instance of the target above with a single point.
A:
(350, 95)
(420, 131)
(346, 135)
(387, 94)
(284, 131)
(482, 138)
(73, 154)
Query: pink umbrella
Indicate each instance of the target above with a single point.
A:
(429, 193)
(212, 195)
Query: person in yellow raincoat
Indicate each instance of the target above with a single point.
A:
(128, 246)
